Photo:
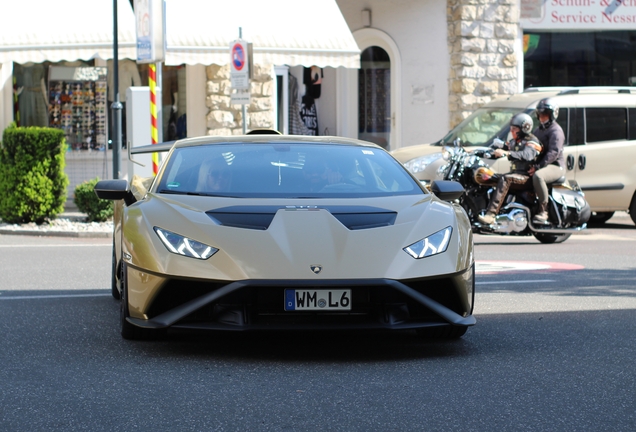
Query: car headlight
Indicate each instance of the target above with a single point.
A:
(419, 164)
(184, 246)
(431, 245)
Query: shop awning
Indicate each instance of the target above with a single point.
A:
(45, 30)
(283, 32)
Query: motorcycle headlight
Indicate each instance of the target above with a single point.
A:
(419, 164)
(184, 246)
(447, 153)
(431, 245)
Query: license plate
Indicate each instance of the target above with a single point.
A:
(317, 300)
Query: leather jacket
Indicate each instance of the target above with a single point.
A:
(523, 153)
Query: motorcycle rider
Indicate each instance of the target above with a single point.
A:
(550, 165)
(522, 151)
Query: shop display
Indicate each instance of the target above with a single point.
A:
(77, 105)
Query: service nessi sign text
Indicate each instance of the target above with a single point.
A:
(578, 14)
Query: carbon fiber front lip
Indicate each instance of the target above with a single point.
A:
(173, 316)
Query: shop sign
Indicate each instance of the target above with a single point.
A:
(578, 14)
(240, 64)
(150, 29)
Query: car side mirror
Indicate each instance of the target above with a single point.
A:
(447, 190)
(114, 190)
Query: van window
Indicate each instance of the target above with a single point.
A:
(577, 127)
(632, 123)
(563, 121)
(605, 124)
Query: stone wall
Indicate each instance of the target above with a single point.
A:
(483, 63)
(226, 119)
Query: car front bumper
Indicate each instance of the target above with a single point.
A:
(259, 304)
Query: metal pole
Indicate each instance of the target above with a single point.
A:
(116, 107)
(244, 108)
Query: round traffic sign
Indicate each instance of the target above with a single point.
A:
(238, 56)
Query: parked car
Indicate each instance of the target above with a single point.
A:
(270, 232)
(600, 149)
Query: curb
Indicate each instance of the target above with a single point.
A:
(75, 234)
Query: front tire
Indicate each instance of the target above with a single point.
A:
(632, 209)
(551, 238)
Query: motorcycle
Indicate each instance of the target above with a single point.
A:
(568, 212)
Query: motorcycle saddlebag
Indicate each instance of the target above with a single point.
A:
(573, 207)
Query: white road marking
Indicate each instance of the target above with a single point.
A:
(57, 296)
(515, 282)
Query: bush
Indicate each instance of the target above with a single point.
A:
(98, 210)
(32, 178)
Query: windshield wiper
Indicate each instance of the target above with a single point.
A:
(207, 194)
(177, 192)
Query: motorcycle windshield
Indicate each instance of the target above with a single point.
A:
(483, 126)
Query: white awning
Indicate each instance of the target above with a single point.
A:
(283, 32)
(45, 30)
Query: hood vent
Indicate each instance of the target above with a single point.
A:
(260, 217)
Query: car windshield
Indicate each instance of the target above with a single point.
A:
(252, 170)
(482, 127)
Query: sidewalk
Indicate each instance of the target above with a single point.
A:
(67, 224)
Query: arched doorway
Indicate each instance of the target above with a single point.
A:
(374, 96)
(378, 90)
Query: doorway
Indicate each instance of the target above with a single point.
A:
(378, 93)
(374, 96)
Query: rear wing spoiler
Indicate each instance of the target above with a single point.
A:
(153, 148)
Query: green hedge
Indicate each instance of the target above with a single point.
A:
(32, 178)
(98, 210)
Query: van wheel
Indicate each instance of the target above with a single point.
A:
(600, 217)
(632, 209)
(551, 238)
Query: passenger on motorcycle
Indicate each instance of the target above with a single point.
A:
(522, 151)
(551, 165)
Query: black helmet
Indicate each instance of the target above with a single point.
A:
(547, 106)
(523, 121)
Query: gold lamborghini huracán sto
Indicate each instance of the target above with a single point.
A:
(272, 232)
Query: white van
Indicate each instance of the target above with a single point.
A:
(600, 141)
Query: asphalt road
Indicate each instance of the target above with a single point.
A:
(553, 350)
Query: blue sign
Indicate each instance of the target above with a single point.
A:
(290, 300)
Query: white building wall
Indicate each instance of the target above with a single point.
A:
(419, 29)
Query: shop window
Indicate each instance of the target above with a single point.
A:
(604, 58)
(606, 124)
(282, 102)
(173, 99)
(32, 106)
